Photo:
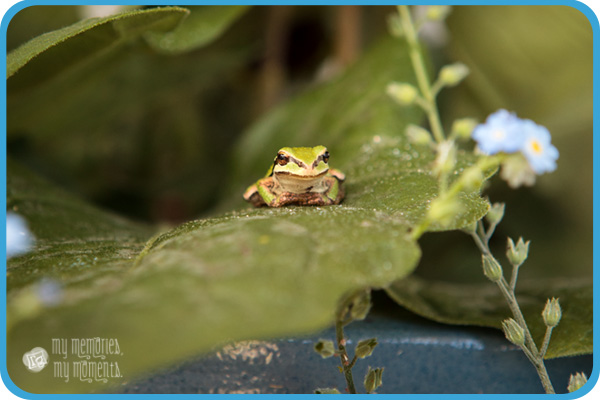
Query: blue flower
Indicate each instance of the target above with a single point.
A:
(505, 132)
(18, 238)
(499, 133)
(537, 149)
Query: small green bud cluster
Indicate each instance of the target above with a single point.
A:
(360, 305)
(418, 135)
(513, 331)
(325, 348)
(404, 94)
(453, 74)
(365, 348)
(327, 391)
(395, 25)
(463, 128)
(491, 268)
(446, 157)
(576, 382)
(552, 313)
(517, 254)
(437, 13)
(444, 209)
(373, 379)
(496, 213)
(472, 178)
(516, 171)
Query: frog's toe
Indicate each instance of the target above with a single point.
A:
(251, 191)
(339, 175)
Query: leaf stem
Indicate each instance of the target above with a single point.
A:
(546, 341)
(513, 277)
(345, 360)
(421, 73)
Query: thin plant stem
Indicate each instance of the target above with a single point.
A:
(513, 277)
(516, 311)
(421, 73)
(546, 341)
(345, 360)
(529, 347)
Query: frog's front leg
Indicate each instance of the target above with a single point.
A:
(335, 193)
(260, 194)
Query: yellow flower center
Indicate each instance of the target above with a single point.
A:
(535, 145)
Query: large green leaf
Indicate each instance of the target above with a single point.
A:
(484, 305)
(204, 24)
(247, 274)
(53, 52)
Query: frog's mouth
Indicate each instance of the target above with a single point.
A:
(278, 173)
(289, 182)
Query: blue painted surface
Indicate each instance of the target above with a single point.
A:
(419, 356)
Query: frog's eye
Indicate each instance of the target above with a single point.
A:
(325, 157)
(282, 159)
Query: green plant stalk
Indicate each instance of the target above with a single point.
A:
(421, 73)
(530, 349)
(546, 341)
(513, 277)
(345, 360)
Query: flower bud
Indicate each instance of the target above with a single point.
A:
(395, 25)
(444, 210)
(576, 382)
(453, 74)
(327, 391)
(552, 313)
(418, 135)
(325, 348)
(496, 213)
(463, 128)
(517, 172)
(438, 13)
(517, 254)
(491, 269)
(513, 331)
(373, 379)
(446, 157)
(365, 348)
(404, 93)
(361, 305)
(472, 178)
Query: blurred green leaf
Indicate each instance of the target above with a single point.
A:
(74, 241)
(53, 52)
(483, 304)
(204, 24)
(36, 20)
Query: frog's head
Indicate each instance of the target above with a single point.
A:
(302, 162)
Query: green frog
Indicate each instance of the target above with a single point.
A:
(300, 176)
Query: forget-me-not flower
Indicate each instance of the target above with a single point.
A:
(18, 237)
(505, 132)
(538, 150)
(499, 133)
